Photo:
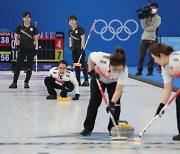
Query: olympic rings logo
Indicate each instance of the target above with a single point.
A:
(116, 31)
(47, 67)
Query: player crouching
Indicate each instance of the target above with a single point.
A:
(61, 78)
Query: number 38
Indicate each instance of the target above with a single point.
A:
(4, 40)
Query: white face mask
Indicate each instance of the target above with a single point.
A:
(153, 11)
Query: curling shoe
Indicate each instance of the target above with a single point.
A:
(139, 73)
(85, 132)
(13, 86)
(110, 134)
(85, 84)
(26, 85)
(51, 97)
(176, 137)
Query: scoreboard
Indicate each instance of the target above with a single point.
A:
(51, 50)
(5, 50)
(5, 47)
(51, 46)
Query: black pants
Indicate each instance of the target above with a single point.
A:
(29, 52)
(178, 112)
(75, 56)
(51, 85)
(95, 101)
(144, 45)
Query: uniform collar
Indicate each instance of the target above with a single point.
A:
(25, 26)
(75, 27)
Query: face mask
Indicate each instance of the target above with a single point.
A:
(153, 11)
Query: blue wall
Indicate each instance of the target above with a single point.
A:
(52, 15)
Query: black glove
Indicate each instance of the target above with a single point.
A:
(36, 51)
(17, 48)
(93, 74)
(161, 105)
(76, 97)
(82, 50)
(72, 48)
(111, 108)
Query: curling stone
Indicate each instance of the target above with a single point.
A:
(124, 128)
(63, 99)
(77, 64)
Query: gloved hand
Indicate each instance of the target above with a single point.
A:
(111, 108)
(36, 51)
(17, 48)
(72, 48)
(161, 105)
(76, 97)
(93, 74)
(82, 50)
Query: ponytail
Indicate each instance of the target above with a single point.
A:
(120, 50)
(118, 58)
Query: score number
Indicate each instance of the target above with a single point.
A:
(4, 56)
(5, 47)
(4, 40)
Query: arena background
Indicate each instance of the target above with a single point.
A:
(52, 15)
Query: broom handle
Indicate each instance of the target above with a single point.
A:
(105, 101)
(87, 39)
(36, 64)
(154, 118)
